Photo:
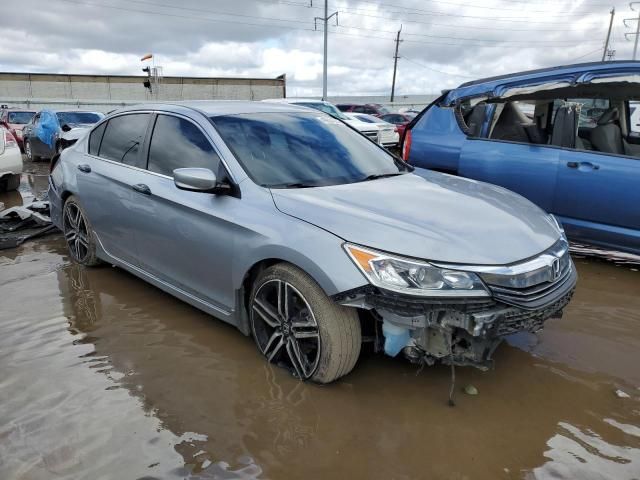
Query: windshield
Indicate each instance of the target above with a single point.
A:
(296, 150)
(78, 117)
(383, 110)
(20, 118)
(326, 108)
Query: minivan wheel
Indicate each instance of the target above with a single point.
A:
(78, 234)
(297, 326)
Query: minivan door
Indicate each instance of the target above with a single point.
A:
(598, 196)
(185, 238)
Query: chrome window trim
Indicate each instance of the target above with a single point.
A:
(543, 260)
(157, 112)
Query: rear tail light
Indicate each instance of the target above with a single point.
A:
(9, 139)
(406, 145)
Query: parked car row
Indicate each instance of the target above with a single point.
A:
(567, 138)
(43, 134)
(290, 225)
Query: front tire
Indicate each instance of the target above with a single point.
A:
(78, 233)
(297, 326)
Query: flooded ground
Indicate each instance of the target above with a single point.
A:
(103, 376)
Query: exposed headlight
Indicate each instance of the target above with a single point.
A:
(558, 225)
(414, 277)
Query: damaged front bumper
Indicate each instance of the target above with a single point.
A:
(462, 331)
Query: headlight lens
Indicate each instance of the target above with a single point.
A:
(558, 225)
(414, 277)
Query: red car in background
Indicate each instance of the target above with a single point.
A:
(374, 109)
(400, 120)
(14, 120)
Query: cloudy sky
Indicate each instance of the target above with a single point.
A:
(445, 42)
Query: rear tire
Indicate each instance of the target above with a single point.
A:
(78, 233)
(10, 183)
(296, 325)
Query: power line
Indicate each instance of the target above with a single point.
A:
(404, 57)
(289, 27)
(470, 5)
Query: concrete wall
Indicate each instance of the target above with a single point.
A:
(107, 92)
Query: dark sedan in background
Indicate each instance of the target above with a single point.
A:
(50, 132)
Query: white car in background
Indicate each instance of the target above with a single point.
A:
(389, 136)
(367, 129)
(10, 161)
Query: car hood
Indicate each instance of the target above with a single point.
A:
(427, 215)
(361, 126)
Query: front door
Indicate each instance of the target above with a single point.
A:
(598, 197)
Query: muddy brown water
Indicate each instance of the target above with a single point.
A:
(102, 376)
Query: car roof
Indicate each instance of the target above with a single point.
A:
(220, 107)
(560, 73)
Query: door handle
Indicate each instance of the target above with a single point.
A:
(84, 168)
(142, 188)
(586, 165)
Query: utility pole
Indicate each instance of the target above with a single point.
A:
(637, 34)
(325, 19)
(395, 65)
(606, 45)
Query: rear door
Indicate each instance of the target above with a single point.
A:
(106, 182)
(184, 238)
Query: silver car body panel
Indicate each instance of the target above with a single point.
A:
(429, 216)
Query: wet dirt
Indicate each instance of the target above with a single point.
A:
(104, 376)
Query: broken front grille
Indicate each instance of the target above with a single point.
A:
(538, 295)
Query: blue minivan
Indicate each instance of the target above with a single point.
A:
(567, 138)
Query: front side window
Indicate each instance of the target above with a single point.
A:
(297, 150)
(178, 143)
(326, 108)
(123, 138)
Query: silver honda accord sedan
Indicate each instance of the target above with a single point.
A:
(304, 234)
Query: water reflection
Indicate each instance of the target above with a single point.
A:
(103, 375)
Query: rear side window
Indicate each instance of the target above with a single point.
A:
(95, 138)
(178, 143)
(123, 137)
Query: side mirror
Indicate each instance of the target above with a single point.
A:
(65, 128)
(197, 180)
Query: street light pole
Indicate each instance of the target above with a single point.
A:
(325, 19)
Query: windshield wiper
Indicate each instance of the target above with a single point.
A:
(376, 176)
(291, 185)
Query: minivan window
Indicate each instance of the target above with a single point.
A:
(95, 138)
(296, 150)
(178, 143)
(123, 137)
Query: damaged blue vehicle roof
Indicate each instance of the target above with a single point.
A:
(570, 74)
